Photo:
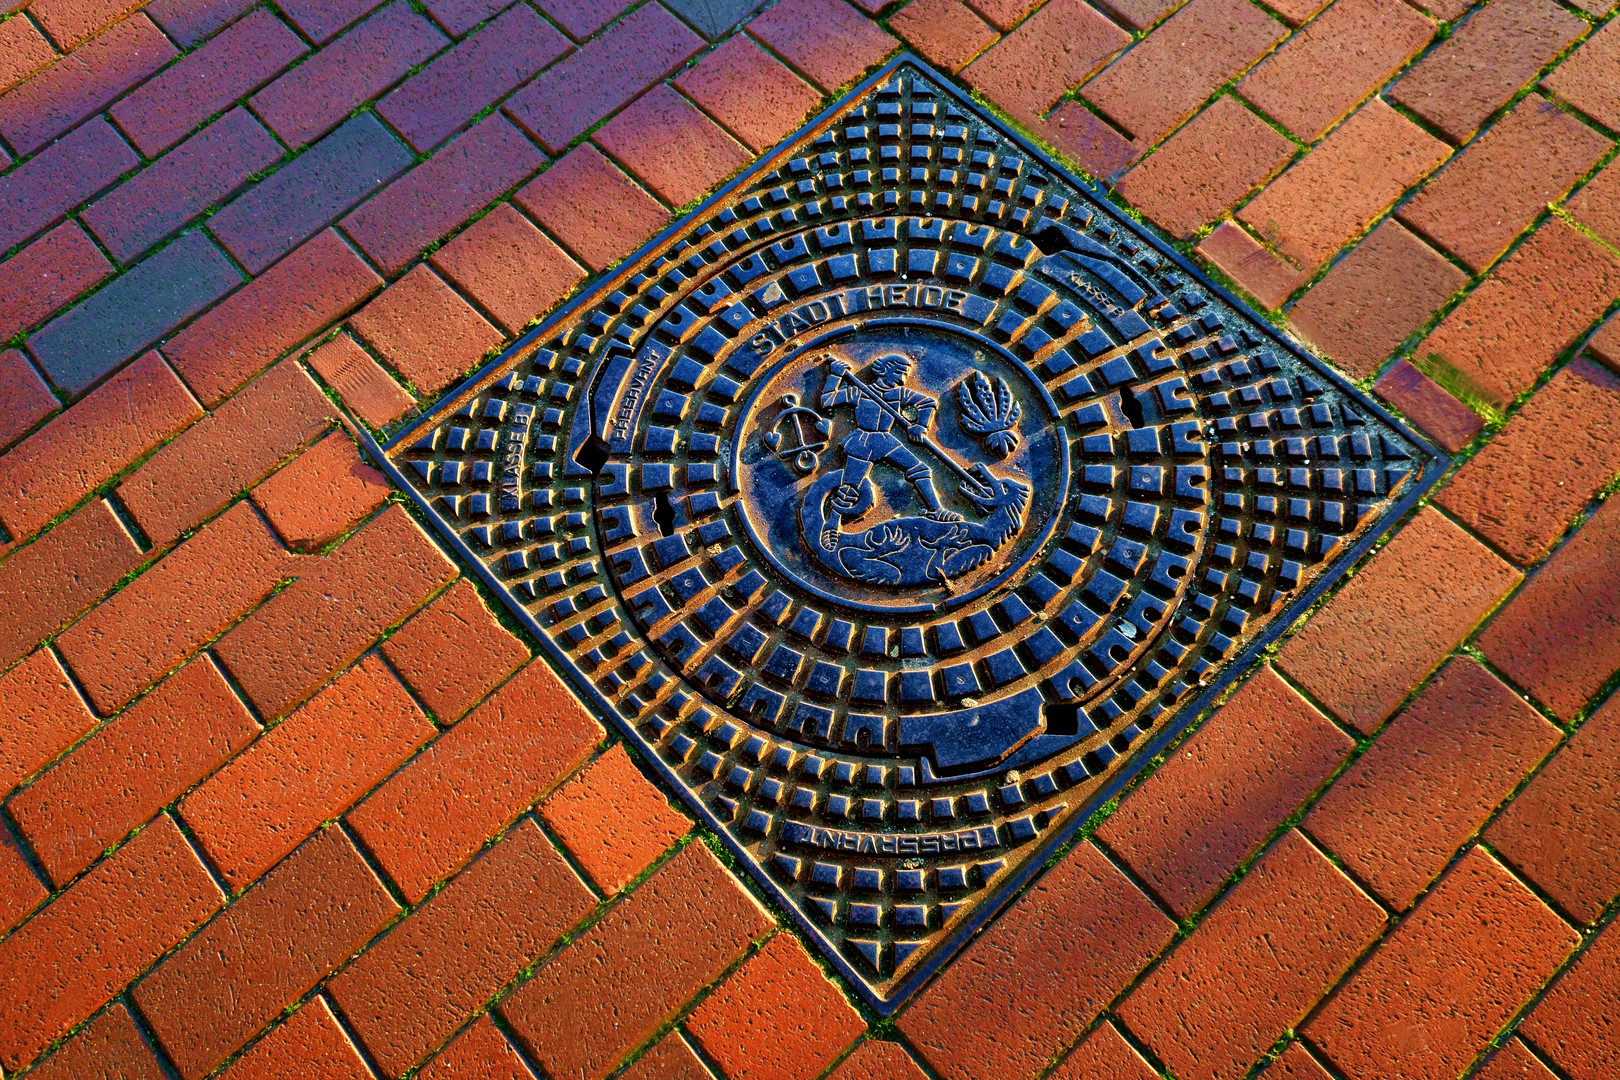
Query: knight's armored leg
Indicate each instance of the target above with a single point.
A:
(847, 495)
(922, 478)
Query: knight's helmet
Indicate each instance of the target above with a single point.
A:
(891, 368)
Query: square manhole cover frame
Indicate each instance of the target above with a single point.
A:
(1014, 444)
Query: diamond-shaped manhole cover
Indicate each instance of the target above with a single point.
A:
(900, 500)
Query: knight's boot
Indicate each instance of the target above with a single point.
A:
(930, 497)
(845, 498)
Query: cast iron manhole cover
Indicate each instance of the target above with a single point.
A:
(897, 501)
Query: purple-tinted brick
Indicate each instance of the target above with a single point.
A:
(604, 74)
(444, 95)
(190, 21)
(39, 193)
(195, 175)
(314, 97)
(323, 20)
(82, 83)
(310, 192)
(459, 16)
(582, 18)
(442, 192)
(240, 60)
(133, 311)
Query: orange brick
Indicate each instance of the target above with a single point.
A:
(41, 714)
(1513, 1062)
(453, 652)
(1577, 1025)
(1429, 406)
(1104, 1055)
(28, 400)
(110, 1047)
(671, 146)
(1269, 279)
(47, 583)
(1059, 46)
(748, 90)
(1295, 1063)
(321, 494)
(20, 889)
(828, 40)
(425, 330)
(613, 820)
(592, 206)
(876, 1060)
(479, 1053)
(512, 269)
(360, 381)
(307, 1044)
(947, 33)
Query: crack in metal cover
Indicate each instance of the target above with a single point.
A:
(900, 501)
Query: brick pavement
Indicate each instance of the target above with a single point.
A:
(281, 791)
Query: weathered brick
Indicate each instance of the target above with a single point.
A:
(242, 58)
(48, 582)
(75, 453)
(1104, 1054)
(1402, 612)
(1429, 405)
(1577, 1024)
(1374, 297)
(1524, 488)
(1537, 302)
(1469, 956)
(23, 51)
(323, 20)
(614, 820)
(872, 1060)
(1332, 193)
(20, 888)
(1268, 277)
(947, 33)
(69, 22)
(1513, 1062)
(749, 91)
(321, 281)
(1498, 185)
(1336, 63)
(827, 40)
(380, 575)
(1478, 68)
(667, 143)
(310, 192)
(437, 100)
(72, 957)
(582, 18)
(38, 193)
(442, 192)
(36, 281)
(1563, 831)
(1084, 925)
(282, 937)
(134, 766)
(202, 470)
(512, 269)
(453, 652)
(174, 608)
(1295, 1063)
(1059, 46)
(609, 990)
(1597, 205)
(416, 985)
(602, 75)
(205, 169)
(593, 207)
(480, 1052)
(434, 814)
(425, 330)
(1590, 78)
(28, 400)
(82, 83)
(308, 1043)
(1206, 168)
(1204, 45)
(190, 21)
(369, 391)
(321, 494)
(110, 1047)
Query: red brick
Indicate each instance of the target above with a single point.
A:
(266, 951)
(1002, 14)
(113, 425)
(190, 21)
(1498, 185)
(72, 957)
(1489, 57)
(1336, 63)
(946, 32)
(35, 282)
(36, 194)
(1429, 406)
(1059, 46)
(480, 1052)
(1295, 1063)
(874, 1060)
(47, 583)
(1335, 191)
(1597, 205)
(453, 652)
(320, 281)
(110, 1047)
(82, 83)
(69, 22)
(425, 331)
(667, 143)
(309, 1043)
(419, 983)
(614, 820)
(598, 211)
(434, 102)
(1604, 345)
(138, 763)
(1563, 831)
(434, 814)
(1469, 956)
(322, 494)
(323, 20)
(1401, 613)
(672, 1058)
(20, 888)
(513, 270)
(1588, 79)
(1268, 278)
(1524, 488)
(205, 169)
(1104, 1055)
(1086, 139)
(1206, 168)
(1577, 1024)
(375, 579)
(320, 93)
(827, 40)
(750, 91)
(28, 400)
(44, 715)
(1538, 301)
(1204, 45)
(1374, 297)
(1138, 14)
(602, 75)
(582, 18)
(204, 469)
(1084, 926)
(1513, 1062)
(23, 51)
(615, 985)
(369, 391)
